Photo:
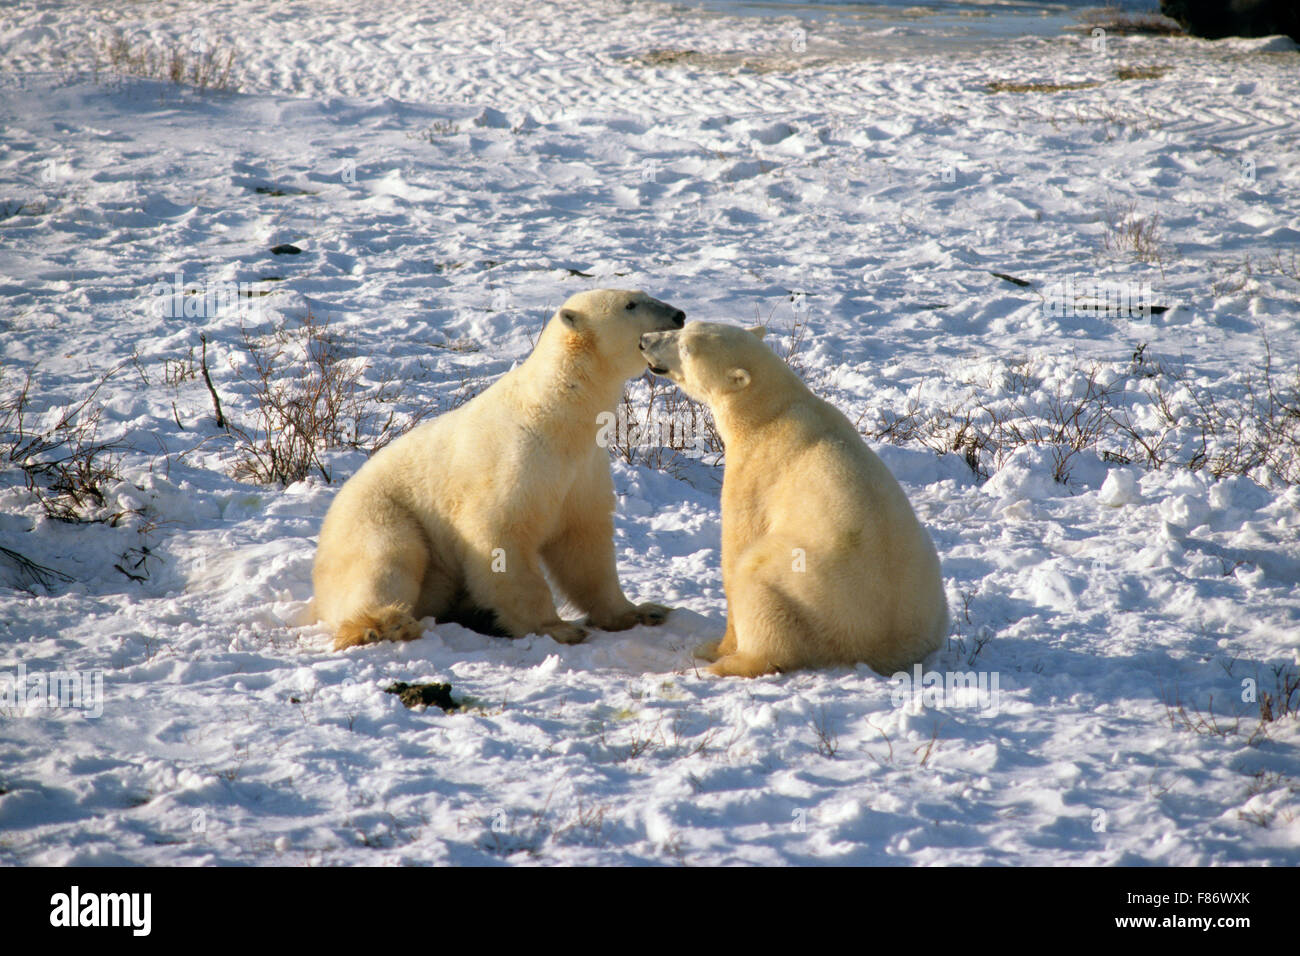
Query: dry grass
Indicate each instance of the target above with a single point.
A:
(1012, 86)
(1149, 414)
(1205, 724)
(1255, 433)
(65, 464)
(666, 57)
(828, 742)
(658, 425)
(11, 208)
(71, 471)
(209, 69)
(1229, 278)
(1129, 233)
(1146, 413)
(31, 574)
(792, 352)
(1142, 72)
(1284, 701)
(308, 400)
(987, 431)
(1113, 119)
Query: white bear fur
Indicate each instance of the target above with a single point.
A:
(457, 518)
(823, 560)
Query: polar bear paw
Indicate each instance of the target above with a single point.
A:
(650, 614)
(566, 632)
(392, 622)
(743, 665)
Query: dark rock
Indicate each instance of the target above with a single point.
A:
(413, 695)
(1214, 19)
(285, 249)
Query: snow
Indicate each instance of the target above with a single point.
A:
(446, 171)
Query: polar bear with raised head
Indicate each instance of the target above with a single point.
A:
(823, 560)
(457, 518)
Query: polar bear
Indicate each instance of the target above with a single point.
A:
(823, 560)
(457, 518)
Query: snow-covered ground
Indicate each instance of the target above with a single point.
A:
(452, 172)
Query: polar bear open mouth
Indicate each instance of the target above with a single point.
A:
(653, 342)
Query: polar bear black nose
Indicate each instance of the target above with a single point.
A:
(679, 319)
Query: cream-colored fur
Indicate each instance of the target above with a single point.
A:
(823, 560)
(457, 518)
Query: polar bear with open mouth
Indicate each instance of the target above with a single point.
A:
(823, 560)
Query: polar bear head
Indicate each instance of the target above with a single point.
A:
(610, 322)
(713, 362)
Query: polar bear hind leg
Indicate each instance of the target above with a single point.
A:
(778, 615)
(768, 628)
(370, 584)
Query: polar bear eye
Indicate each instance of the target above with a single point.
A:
(631, 306)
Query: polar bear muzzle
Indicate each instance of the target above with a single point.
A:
(673, 316)
(655, 349)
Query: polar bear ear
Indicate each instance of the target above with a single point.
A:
(738, 378)
(569, 317)
(759, 330)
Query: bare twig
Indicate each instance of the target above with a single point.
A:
(212, 389)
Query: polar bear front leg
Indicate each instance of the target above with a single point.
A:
(507, 580)
(581, 560)
(580, 556)
(769, 614)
